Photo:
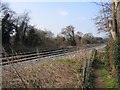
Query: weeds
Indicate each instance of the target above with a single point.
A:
(61, 73)
(110, 82)
(102, 64)
(90, 80)
(52, 74)
(67, 60)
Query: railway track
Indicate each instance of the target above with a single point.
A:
(20, 57)
(33, 55)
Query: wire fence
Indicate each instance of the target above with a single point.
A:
(87, 68)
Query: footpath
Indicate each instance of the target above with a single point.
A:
(98, 82)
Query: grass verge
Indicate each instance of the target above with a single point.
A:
(62, 73)
(109, 81)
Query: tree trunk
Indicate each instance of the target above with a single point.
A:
(116, 17)
(114, 21)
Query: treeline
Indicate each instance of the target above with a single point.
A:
(18, 34)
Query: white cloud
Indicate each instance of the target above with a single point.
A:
(63, 13)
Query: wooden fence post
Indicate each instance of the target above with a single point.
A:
(86, 69)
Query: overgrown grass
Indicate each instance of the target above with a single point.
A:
(67, 60)
(61, 73)
(109, 81)
(95, 65)
(90, 80)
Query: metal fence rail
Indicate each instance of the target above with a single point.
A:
(35, 55)
(20, 57)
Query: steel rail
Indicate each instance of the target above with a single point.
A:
(21, 58)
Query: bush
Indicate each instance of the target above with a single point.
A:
(117, 58)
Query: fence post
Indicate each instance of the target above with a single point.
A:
(84, 74)
(86, 69)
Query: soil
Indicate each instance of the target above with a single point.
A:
(98, 82)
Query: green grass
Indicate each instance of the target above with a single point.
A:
(90, 80)
(110, 82)
(71, 61)
(103, 65)
(78, 69)
(68, 60)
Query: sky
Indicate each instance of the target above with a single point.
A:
(54, 16)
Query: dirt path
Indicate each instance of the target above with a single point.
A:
(98, 82)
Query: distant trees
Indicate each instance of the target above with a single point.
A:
(32, 39)
(6, 29)
(17, 33)
(78, 37)
(6, 22)
(88, 38)
(69, 34)
(3, 7)
(22, 24)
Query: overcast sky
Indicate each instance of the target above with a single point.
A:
(56, 15)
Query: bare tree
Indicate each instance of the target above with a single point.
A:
(21, 23)
(3, 7)
(88, 38)
(116, 18)
(105, 14)
(78, 37)
(108, 19)
(69, 33)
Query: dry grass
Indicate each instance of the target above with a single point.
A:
(62, 73)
